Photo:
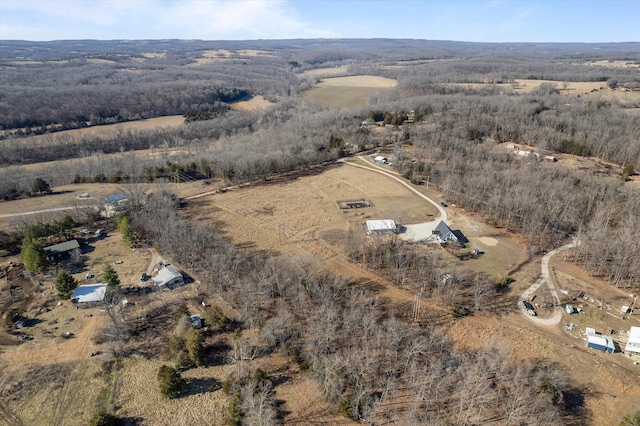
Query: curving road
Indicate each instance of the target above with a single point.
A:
(545, 275)
(443, 212)
(545, 278)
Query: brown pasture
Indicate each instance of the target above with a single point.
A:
(324, 72)
(109, 129)
(348, 92)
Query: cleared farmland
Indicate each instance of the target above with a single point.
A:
(348, 92)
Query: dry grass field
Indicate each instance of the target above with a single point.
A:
(287, 216)
(255, 103)
(528, 86)
(615, 64)
(138, 396)
(587, 91)
(324, 72)
(212, 56)
(109, 129)
(348, 92)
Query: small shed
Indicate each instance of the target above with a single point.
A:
(381, 160)
(59, 251)
(381, 227)
(598, 341)
(168, 276)
(89, 293)
(633, 344)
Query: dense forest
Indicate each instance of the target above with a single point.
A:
(367, 360)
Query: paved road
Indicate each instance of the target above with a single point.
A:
(545, 278)
(377, 169)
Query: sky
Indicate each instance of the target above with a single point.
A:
(459, 20)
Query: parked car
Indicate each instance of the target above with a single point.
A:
(529, 307)
(144, 277)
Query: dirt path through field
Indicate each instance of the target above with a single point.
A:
(443, 212)
(545, 278)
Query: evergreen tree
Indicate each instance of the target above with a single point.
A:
(33, 255)
(110, 278)
(40, 185)
(65, 284)
(103, 418)
(124, 226)
(194, 346)
(170, 382)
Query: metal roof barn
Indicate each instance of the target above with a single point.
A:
(598, 341)
(384, 226)
(89, 293)
(63, 247)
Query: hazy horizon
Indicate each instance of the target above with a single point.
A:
(492, 21)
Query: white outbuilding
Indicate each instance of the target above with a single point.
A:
(633, 344)
(89, 293)
(597, 341)
(168, 276)
(381, 227)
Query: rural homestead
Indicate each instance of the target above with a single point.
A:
(269, 224)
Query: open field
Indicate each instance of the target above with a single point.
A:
(348, 92)
(528, 86)
(302, 215)
(255, 103)
(109, 129)
(138, 396)
(322, 72)
(615, 64)
(587, 90)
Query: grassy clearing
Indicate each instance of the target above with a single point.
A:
(615, 64)
(290, 216)
(57, 394)
(348, 92)
(255, 103)
(108, 129)
(527, 86)
(322, 72)
(138, 395)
